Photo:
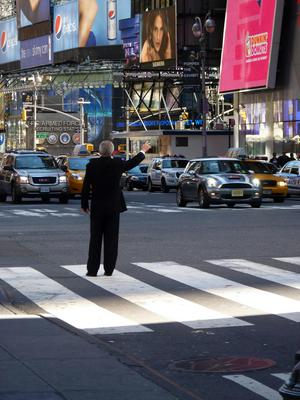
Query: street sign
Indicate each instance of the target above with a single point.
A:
(42, 135)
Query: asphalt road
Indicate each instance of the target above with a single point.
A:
(169, 251)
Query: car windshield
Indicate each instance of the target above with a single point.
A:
(174, 163)
(36, 162)
(222, 166)
(139, 169)
(78, 164)
(257, 167)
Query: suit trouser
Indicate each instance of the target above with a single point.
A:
(104, 226)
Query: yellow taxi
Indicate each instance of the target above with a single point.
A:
(74, 167)
(274, 187)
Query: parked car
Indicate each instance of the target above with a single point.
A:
(163, 173)
(26, 173)
(74, 167)
(218, 181)
(291, 173)
(274, 187)
(135, 178)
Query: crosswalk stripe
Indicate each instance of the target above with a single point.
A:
(290, 260)
(282, 376)
(170, 307)
(66, 305)
(255, 298)
(263, 271)
(254, 386)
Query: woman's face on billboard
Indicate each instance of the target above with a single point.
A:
(158, 32)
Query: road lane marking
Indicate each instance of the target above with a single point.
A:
(265, 302)
(290, 260)
(66, 305)
(170, 307)
(283, 277)
(254, 386)
(283, 376)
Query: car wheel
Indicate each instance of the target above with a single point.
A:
(230, 205)
(278, 199)
(129, 186)
(180, 199)
(164, 187)
(150, 186)
(64, 199)
(255, 203)
(202, 198)
(3, 197)
(15, 196)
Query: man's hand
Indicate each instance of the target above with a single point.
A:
(146, 146)
(86, 210)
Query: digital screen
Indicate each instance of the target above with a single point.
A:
(9, 44)
(36, 52)
(30, 12)
(250, 44)
(157, 36)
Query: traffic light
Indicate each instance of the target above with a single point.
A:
(23, 115)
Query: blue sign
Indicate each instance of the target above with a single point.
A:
(2, 139)
(66, 25)
(35, 52)
(29, 13)
(9, 44)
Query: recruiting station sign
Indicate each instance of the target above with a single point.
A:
(250, 44)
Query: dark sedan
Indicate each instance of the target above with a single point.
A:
(135, 178)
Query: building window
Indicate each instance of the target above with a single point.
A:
(182, 141)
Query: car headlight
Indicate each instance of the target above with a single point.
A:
(255, 182)
(23, 179)
(134, 178)
(62, 179)
(281, 183)
(211, 182)
(77, 177)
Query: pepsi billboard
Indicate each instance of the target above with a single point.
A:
(31, 12)
(10, 46)
(65, 29)
(76, 25)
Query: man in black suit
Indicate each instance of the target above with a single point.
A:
(102, 179)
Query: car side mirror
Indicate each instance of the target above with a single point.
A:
(64, 168)
(8, 168)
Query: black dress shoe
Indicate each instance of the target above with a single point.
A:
(90, 274)
(108, 273)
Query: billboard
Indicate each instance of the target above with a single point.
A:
(88, 23)
(36, 52)
(9, 44)
(250, 44)
(30, 12)
(158, 37)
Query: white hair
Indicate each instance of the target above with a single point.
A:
(106, 148)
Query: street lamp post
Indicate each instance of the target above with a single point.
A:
(199, 33)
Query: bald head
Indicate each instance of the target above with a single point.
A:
(106, 148)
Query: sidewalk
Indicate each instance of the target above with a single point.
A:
(40, 360)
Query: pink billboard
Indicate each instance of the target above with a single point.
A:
(250, 44)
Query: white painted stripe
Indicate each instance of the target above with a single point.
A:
(290, 260)
(263, 271)
(284, 376)
(170, 307)
(66, 305)
(261, 300)
(254, 386)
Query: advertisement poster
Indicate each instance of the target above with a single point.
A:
(250, 44)
(9, 44)
(31, 12)
(36, 52)
(157, 36)
(88, 23)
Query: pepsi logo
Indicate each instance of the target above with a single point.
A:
(111, 14)
(3, 41)
(58, 26)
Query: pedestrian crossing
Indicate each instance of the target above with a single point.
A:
(229, 303)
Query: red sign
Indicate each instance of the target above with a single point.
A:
(250, 44)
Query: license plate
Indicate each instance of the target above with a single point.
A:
(44, 189)
(237, 193)
(267, 191)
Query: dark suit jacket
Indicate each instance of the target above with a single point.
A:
(102, 179)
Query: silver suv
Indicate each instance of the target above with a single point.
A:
(32, 174)
(163, 172)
